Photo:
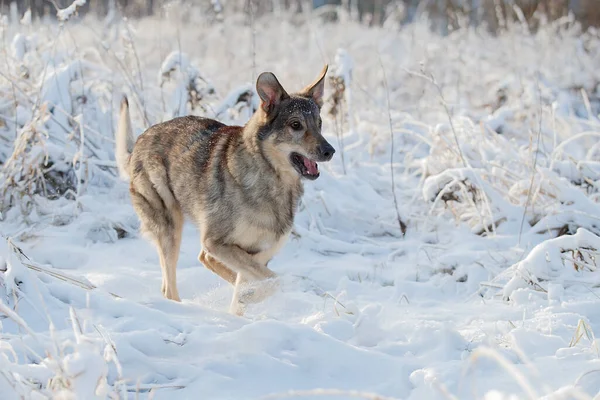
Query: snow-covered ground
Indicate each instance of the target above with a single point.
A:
(490, 146)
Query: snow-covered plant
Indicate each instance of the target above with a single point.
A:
(70, 368)
(29, 171)
(57, 120)
(340, 96)
(190, 87)
(239, 105)
(564, 261)
(66, 13)
(507, 182)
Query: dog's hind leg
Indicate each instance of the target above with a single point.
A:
(169, 244)
(164, 226)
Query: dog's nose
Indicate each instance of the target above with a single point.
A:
(326, 151)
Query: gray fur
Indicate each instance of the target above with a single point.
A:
(237, 184)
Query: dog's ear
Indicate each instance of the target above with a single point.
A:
(270, 91)
(316, 89)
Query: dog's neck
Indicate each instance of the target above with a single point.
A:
(260, 148)
(250, 130)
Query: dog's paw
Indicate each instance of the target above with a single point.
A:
(237, 308)
(256, 292)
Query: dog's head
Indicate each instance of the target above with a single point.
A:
(290, 125)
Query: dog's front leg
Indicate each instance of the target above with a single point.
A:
(217, 267)
(246, 292)
(248, 270)
(238, 260)
(238, 306)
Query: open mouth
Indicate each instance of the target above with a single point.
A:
(306, 168)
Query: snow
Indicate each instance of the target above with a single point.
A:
(66, 13)
(189, 80)
(551, 261)
(492, 294)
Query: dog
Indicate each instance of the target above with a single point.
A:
(240, 185)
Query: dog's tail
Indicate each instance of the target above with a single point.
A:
(124, 139)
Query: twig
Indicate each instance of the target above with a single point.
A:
(4, 309)
(327, 392)
(14, 93)
(533, 167)
(129, 79)
(65, 278)
(149, 388)
(401, 223)
(322, 292)
(139, 73)
(508, 367)
(253, 34)
(431, 79)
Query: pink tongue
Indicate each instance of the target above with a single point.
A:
(311, 166)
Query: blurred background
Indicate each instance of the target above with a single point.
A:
(472, 125)
(443, 14)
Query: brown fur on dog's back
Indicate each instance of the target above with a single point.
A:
(238, 184)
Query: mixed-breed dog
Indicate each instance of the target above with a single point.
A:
(239, 185)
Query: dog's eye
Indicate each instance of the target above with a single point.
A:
(296, 125)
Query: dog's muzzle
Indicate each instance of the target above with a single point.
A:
(326, 151)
